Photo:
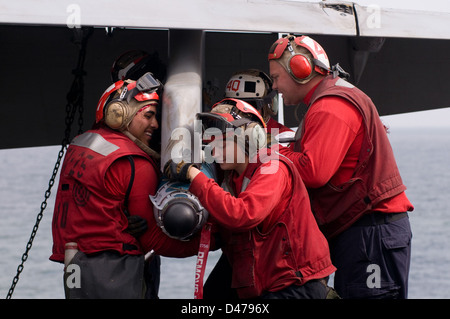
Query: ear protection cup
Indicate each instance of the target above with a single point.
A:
(257, 137)
(300, 66)
(116, 114)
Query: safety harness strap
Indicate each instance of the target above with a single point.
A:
(202, 257)
(130, 185)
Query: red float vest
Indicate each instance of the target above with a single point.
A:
(85, 212)
(293, 251)
(376, 176)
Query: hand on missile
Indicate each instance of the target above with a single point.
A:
(178, 171)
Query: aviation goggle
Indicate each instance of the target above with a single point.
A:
(271, 100)
(223, 123)
(143, 89)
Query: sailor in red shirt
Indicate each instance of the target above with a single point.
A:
(272, 241)
(254, 87)
(106, 179)
(345, 160)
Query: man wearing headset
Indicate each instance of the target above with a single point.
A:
(345, 160)
(271, 240)
(132, 64)
(106, 178)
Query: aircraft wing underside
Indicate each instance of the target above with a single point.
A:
(399, 57)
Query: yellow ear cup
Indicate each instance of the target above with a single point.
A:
(116, 115)
(256, 135)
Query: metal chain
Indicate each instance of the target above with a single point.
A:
(74, 102)
(36, 225)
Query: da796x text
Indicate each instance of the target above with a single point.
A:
(247, 308)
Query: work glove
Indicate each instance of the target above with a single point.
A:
(178, 171)
(137, 225)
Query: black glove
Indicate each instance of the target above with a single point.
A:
(137, 225)
(178, 172)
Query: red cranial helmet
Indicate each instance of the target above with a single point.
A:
(301, 56)
(229, 115)
(123, 99)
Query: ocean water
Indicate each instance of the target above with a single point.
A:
(422, 155)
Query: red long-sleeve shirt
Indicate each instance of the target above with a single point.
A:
(330, 147)
(263, 201)
(273, 239)
(116, 182)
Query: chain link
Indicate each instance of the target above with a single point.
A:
(74, 102)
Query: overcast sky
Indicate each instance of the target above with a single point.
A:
(432, 118)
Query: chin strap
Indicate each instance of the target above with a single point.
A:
(141, 145)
